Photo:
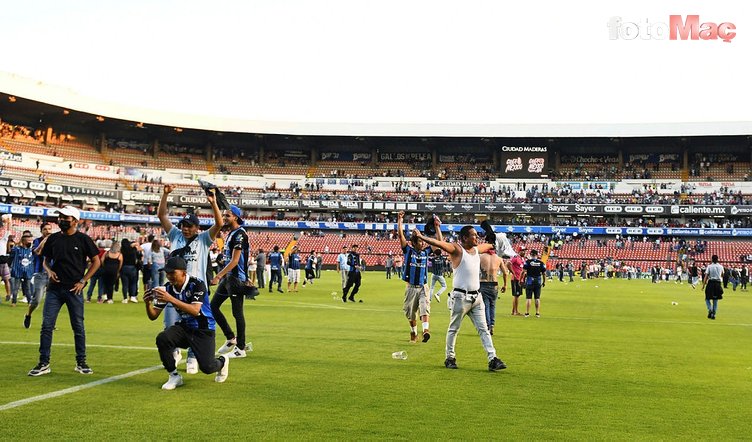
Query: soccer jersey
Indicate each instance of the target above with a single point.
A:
(38, 260)
(535, 269)
(238, 240)
(193, 291)
(22, 262)
(293, 263)
(197, 255)
(275, 260)
(438, 265)
(353, 260)
(310, 262)
(416, 265)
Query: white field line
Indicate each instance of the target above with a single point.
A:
(116, 347)
(77, 388)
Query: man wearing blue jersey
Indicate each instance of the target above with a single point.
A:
(21, 267)
(310, 267)
(40, 278)
(353, 275)
(417, 298)
(293, 270)
(232, 280)
(190, 243)
(276, 262)
(196, 327)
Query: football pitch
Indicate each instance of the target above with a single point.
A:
(608, 359)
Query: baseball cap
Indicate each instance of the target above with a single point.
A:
(175, 263)
(70, 211)
(236, 211)
(190, 219)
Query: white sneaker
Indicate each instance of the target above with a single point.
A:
(191, 366)
(436, 295)
(237, 353)
(134, 299)
(224, 371)
(110, 301)
(178, 356)
(227, 346)
(125, 301)
(173, 382)
(248, 346)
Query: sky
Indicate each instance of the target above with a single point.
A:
(392, 67)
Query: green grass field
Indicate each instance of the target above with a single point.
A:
(609, 359)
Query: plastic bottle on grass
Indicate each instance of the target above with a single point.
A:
(402, 355)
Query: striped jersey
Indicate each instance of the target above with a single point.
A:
(416, 265)
(238, 240)
(438, 265)
(22, 262)
(275, 260)
(293, 263)
(193, 291)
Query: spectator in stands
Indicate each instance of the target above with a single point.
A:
(112, 265)
(187, 243)
(712, 286)
(417, 297)
(354, 266)
(65, 254)
(342, 266)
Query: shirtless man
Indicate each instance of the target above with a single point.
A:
(490, 263)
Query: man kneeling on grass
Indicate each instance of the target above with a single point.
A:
(196, 326)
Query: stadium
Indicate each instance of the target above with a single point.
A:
(628, 205)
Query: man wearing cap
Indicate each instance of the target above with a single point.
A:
(232, 280)
(22, 267)
(533, 275)
(65, 254)
(353, 274)
(196, 329)
(192, 246)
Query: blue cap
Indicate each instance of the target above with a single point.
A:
(237, 212)
(190, 219)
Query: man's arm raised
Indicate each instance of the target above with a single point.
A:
(400, 229)
(162, 209)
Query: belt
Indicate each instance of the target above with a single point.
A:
(467, 292)
(489, 283)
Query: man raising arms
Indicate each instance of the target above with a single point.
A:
(465, 298)
(417, 298)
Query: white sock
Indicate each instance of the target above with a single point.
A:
(425, 326)
(414, 329)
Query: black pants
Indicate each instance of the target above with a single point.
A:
(108, 281)
(230, 287)
(260, 277)
(353, 279)
(276, 276)
(180, 336)
(309, 274)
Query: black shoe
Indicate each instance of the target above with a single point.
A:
(27, 321)
(450, 363)
(710, 314)
(40, 369)
(426, 335)
(82, 368)
(344, 298)
(490, 329)
(351, 299)
(280, 290)
(496, 364)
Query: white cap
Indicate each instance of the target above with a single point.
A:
(70, 211)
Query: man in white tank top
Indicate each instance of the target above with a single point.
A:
(465, 298)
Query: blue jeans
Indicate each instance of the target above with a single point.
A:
(157, 277)
(38, 287)
(490, 293)
(56, 298)
(95, 280)
(129, 281)
(25, 285)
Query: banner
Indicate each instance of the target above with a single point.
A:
(345, 156)
(590, 158)
(10, 156)
(524, 161)
(400, 156)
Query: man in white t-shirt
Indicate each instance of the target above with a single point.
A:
(193, 246)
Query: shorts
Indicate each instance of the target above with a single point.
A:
(516, 288)
(416, 300)
(532, 291)
(293, 276)
(4, 272)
